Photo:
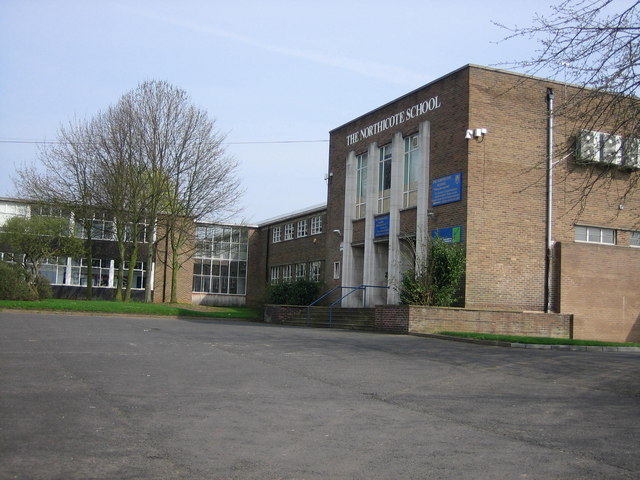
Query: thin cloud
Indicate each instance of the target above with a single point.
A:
(387, 73)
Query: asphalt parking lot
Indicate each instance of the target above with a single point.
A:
(90, 397)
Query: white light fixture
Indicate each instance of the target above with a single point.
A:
(477, 133)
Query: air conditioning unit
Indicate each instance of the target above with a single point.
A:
(631, 149)
(588, 147)
(611, 149)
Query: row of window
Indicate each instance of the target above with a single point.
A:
(224, 277)
(606, 236)
(102, 226)
(222, 242)
(302, 228)
(299, 271)
(74, 271)
(411, 169)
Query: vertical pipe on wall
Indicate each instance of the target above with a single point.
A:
(549, 229)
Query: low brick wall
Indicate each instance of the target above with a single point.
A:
(281, 313)
(414, 319)
(393, 318)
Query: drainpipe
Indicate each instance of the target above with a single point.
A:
(549, 245)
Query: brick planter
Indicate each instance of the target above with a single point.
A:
(416, 319)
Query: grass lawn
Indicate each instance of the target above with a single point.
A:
(537, 340)
(105, 306)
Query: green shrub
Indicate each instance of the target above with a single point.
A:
(299, 292)
(43, 288)
(437, 280)
(15, 283)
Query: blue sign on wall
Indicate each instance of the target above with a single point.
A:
(449, 235)
(381, 226)
(446, 189)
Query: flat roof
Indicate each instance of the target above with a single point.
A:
(297, 213)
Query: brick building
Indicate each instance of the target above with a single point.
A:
(465, 157)
(287, 248)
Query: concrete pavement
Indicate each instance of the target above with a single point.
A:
(90, 397)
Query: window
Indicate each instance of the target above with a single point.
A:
(635, 239)
(384, 179)
(9, 210)
(54, 269)
(286, 273)
(138, 274)
(301, 270)
(100, 272)
(288, 231)
(361, 185)
(411, 172)
(336, 270)
(302, 228)
(316, 225)
(277, 235)
(314, 271)
(274, 275)
(220, 263)
(595, 235)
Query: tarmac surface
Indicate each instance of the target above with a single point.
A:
(91, 397)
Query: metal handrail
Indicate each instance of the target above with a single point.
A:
(322, 297)
(353, 289)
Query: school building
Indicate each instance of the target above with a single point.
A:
(478, 157)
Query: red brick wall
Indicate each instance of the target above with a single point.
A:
(392, 318)
(600, 286)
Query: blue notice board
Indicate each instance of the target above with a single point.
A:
(381, 226)
(446, 189)
(449, 235)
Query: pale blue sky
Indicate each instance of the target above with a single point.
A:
(266, 71)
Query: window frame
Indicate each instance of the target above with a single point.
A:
(315, 270)
(316, 225)
(337, 271)
(362, 162)
(411, 166)
(289, 231)
(286, 273)
(275, 275)
(302, 228)
(385, 162)
(301, 271)
(276, 235)
(588, 234)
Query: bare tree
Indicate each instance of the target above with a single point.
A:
(186, 172)
(152, 155)
(67, 178)
(593, 45)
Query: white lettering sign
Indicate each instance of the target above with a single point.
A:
(394, 120)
